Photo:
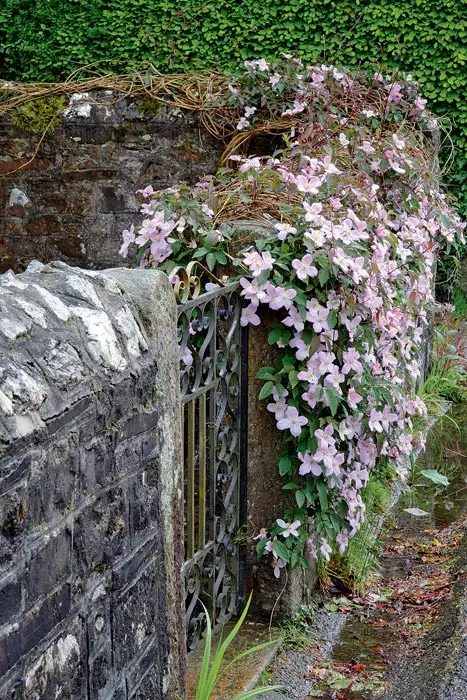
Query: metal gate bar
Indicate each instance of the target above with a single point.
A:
(214, 404)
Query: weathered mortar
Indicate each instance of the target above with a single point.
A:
(72, 201)
(90, 486)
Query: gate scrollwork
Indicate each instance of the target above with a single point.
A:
(212, 370)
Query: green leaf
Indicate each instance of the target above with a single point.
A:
(323, 495)
(308, 336)
(260, 547)
(211, 261)
(340, 683)
(334, 399)
(266, 390)
(281, 550)
(435, 477)
(290, 486)
(300, 498)
(336, 523)
(293, 379)
(309, 493)
(323, 276)
(266, 373)
(201, 253)
(274, 336)
(221, 257)
(285, 465)
(332, 318)
(258, 691)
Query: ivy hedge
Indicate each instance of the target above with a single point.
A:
(48, 39)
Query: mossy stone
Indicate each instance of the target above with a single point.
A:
(39, 115)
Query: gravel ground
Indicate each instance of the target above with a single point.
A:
(290, 667)
(438, 670)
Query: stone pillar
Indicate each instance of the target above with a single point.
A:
(90, 486)
(266, 498)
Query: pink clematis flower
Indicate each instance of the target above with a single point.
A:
(304, 267)
(128, 236)
(359, 476)
(250, 164)
(375, 421)
(258, 262)
(292, 421)
(311, 550)
(289, 528)
(308, 185)
(262, 534)
(325, 549)
(147, 192)
(294, 319)
(249, 315)
(309, 465)
(284, 230)
(278, 564)
(311, 395)
(351, 361)
(353, 398)
(342, 540)
(282, 298)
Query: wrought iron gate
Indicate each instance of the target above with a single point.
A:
(213, 367)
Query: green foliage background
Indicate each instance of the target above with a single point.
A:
(43, 40)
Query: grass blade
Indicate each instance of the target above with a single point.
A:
(247, 652)
(258, 691)
(203, 676)
(220, 652)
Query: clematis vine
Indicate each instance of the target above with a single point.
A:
(350, 220)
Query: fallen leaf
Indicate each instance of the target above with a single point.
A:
(358, 668)
(318, 672)
(417, 512)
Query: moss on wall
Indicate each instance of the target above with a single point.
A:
(39, 115)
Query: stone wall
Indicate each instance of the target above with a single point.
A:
(90, 486)
(72, 201)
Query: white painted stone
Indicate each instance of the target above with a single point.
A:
(6, 404)
(54, 303)
(107, 282)
(99, 592)
(85, 289)
(64, 361)
(79, 106)
(66, 647)
(140, 634)
(125, 322)
(18, 197)
(27, 423)
(13, 328)
(30, 676)
(35, 312)
(103, 346)
(35, 266)
(18, 384)
(11, 281)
